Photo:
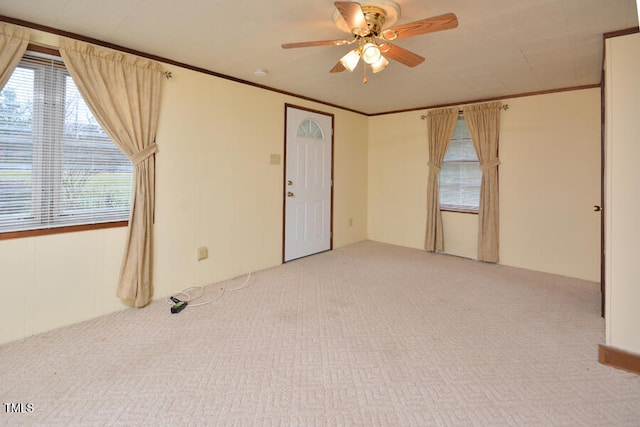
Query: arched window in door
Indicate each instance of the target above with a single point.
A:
(310, 129)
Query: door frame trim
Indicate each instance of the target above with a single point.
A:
(284, 172)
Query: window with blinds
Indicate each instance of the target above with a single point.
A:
(57, 166)
(460, 175)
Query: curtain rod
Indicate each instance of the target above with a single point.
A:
(52, 51)
(505, 107)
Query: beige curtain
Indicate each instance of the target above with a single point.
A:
(13, 43)
(123, 92)
(484, 127)
(441, 125)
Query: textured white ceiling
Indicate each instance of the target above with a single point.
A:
(501, 47)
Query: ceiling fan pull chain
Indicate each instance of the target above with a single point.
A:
(364, 72)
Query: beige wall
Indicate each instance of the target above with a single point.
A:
(215, 188)
(52, 281)
(397, 179)
(622, 203)
(549, 181)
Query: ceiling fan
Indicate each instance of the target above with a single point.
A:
(366, 23)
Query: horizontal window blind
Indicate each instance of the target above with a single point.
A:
(460, 175)
(57, 166)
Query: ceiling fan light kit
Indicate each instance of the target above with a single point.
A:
(370, 52)
(380, 65)
(366, 24)
(351, 59)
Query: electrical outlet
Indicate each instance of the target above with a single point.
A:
(203, 253)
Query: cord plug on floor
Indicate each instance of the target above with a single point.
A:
(178, 306)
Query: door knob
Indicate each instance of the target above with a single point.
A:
(597, 208)
(290, 194)
(289, 182)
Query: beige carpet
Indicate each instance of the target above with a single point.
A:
(370, 334)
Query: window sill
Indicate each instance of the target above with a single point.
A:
(462, 211)
(59, 230)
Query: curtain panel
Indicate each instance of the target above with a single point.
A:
(13, 44)
(441, 125)
(483, 122)
(123, 92)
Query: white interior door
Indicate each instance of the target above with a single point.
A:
(308, 182)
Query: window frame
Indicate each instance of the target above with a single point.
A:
(5, 235)
(449, 208)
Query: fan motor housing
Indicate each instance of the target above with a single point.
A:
(375, 17)
(377, 14)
